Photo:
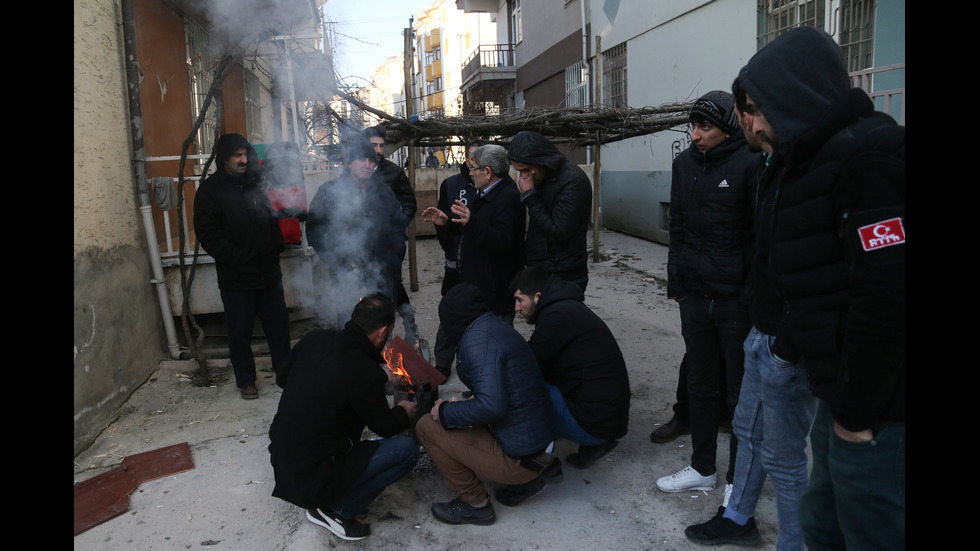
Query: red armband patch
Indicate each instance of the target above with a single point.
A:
(882, 234)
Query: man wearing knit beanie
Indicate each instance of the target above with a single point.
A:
(710, 229)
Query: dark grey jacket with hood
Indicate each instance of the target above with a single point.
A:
(558, 208)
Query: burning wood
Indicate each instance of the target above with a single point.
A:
(415, 379)
(410, 369)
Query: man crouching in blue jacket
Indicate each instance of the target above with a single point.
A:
(505, 433)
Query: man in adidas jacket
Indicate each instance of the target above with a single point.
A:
(710, 235)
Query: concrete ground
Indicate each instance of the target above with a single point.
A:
(225, 502)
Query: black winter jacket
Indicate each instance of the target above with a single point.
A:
(457, 187)
(491, 244)
(711, 206)
(395, 178)
(233, 219)
(558, 208)
(578, 354)
(333, 388)
(358, 229)
(837, 232)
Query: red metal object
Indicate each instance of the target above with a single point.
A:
(417, 367)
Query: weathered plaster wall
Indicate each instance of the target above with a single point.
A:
(117, 333)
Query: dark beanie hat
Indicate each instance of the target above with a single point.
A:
(718, 108)
(358, 148)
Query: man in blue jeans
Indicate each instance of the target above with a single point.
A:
(837, 234)
(581, 362)
(333, 388)
(775, 408)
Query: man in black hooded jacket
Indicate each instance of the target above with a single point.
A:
(837, 260)
(581, 363)
(558, 197)
(234, 221)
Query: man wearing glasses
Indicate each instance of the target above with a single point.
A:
(490, 229)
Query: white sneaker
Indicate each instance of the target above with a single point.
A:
(728, 494)
(686, 479)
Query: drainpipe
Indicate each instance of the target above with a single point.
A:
(588, 70)
(139, 173)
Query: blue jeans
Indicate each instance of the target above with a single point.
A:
(856, 498)
(568, 427)
(774, 413)
(387, 460)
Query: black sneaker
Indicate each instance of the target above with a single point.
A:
(588, 455)
(552, 474)
(458, 512)
(519, 493)
(669, 431)
(720, 530)
(348, 529)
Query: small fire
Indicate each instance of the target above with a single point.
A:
(395, 364)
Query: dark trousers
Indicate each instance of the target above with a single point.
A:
(444, 349)
(856, 498)
(714, 332)
(682, 407)
(241, 307)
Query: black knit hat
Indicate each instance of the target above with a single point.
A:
(358, 148)
(718, 108)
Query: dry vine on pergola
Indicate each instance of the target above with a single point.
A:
(577, 126)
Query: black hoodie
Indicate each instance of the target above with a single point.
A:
(839, 169)
(233, 219)
(579, 354)
(558, 208)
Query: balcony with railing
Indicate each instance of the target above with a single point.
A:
(489, 62)
(886, 86)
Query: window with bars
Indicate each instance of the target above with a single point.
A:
(203, 54)
(614, 77)
(515, 22)
(856, 33)
(779, 16)
(253, 107)
(576, 86)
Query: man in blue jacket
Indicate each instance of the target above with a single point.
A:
(505, 432)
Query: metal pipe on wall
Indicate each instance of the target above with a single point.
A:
(139, 173)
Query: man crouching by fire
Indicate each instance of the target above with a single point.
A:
(504, 433)
(333, 388)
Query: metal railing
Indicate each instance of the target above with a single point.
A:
(488, 55)
(864, 79)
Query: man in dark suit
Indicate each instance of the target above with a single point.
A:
(490, 227)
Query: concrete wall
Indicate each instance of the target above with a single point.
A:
(676, 50)
(118, 337)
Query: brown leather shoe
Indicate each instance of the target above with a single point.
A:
(250, 392)
(669, 431)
